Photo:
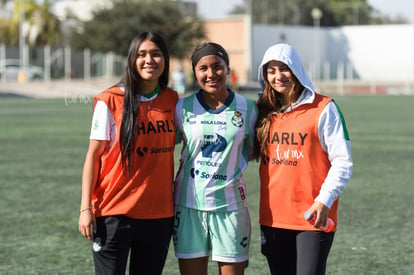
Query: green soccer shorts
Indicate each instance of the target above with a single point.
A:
(224, 235)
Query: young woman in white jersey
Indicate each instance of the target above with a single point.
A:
(305, 164)
(216, 126)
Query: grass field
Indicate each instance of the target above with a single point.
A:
(44, 141)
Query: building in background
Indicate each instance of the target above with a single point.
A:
(373, 53)
(369, 54)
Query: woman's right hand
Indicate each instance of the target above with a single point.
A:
(87, 224)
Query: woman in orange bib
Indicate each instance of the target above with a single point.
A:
(127, 183)
(305, 164)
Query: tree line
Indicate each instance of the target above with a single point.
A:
(112, 28)
(333, 13)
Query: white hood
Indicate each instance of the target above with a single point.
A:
(287, 54)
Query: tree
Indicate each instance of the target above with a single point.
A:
(41, 27)
(298, 12)
(112, 29)
(48, 26)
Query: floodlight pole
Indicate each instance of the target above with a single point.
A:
(316, 15)
(249, 40)
(22, 45)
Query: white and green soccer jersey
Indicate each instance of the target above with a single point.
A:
(216, 149)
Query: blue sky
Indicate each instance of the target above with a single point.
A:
(394, 7)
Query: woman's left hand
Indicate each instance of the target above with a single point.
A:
(321, 211)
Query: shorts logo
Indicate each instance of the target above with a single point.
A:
(237, 119)
(262, 238)
(244, 243)
(97, 245)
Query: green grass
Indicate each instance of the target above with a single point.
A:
(43, 145)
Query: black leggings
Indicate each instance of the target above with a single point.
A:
(117, 236)
(291, 252)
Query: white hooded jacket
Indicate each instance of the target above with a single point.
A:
(332, 131)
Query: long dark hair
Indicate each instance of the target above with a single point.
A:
(132, 80)
(265, 104)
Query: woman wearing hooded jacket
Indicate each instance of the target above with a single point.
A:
(305, 164)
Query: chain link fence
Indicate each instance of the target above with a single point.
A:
(57, 63)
